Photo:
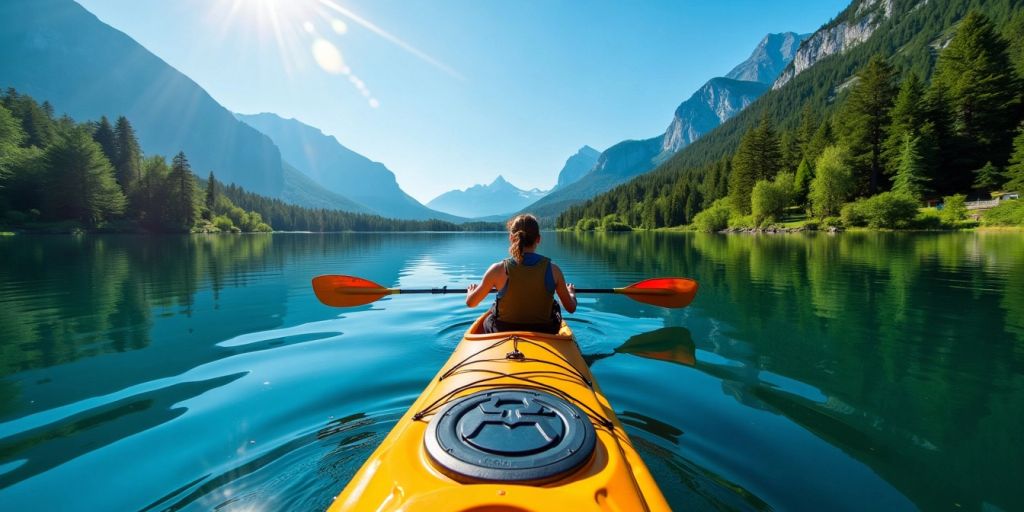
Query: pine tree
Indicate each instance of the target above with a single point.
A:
(866, 120)
(988, 178)
(979, 93)
(128, 163)
(758, 158)
(802, 181)
(908, 115)
(809, 124)
(211, 197)
(823, 138)
(11, 137)
(181, 214)
(790, 152)
(1014, 173)
(104, 136)
(81, 182)
(910, 177)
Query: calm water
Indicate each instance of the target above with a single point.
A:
(849, 372)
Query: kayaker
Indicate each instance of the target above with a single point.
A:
(526, 285)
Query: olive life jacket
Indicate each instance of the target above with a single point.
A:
(526, 298)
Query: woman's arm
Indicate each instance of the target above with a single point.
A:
(493, 278)
(566, 292)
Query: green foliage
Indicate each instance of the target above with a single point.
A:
(128, 162)
(833, 182)
(988, 178)
(908, 117)
(885, 210)
(714, 218)
(612, 222)
(758, 158)
(1007, 213)
(865, 121)
(104, 136)
(587, 224)
(910, 179)
(976, 91)
(742, 222)
(954, 208)
(223, 223)
(802, 181)
(770, 198)
(210, 198)
(1014, 172)
(182, 210)
(80, 180)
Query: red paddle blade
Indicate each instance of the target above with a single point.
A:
(667, 292)
(347, 291)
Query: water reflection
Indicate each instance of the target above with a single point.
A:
(832, 370)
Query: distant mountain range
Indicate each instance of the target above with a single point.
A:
(715, 102)
(577, 166)
(325, 161)
(500, 198)
(56, 50)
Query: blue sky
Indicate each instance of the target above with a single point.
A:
(452, 93)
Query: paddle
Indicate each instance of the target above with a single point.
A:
(348, 291)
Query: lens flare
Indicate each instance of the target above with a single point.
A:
(328, 57)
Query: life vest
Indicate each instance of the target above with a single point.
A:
(525, 299)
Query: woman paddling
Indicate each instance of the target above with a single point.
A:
(526, 284)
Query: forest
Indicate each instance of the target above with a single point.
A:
(899, 136)
(60, 176)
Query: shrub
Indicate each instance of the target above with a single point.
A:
(831, 222)
(586, 224)
(832, 183)
(742, 222)
(611, 222)
(885, 210)
(770, 198)
(1008, 213)
(928, 219)
(714, 218)
(954, 209)
(223, 223)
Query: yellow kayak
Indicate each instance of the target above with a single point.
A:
(513, 421)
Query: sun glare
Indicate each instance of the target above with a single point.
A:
(302, 29)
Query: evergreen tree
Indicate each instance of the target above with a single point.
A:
(809, 124)
(908, 116)
(910, 177)
(802, 181)
(988, 178)
(11, 137)
(980, 95)
(181, 187)
(790, 152)
(823, 138)
(129, 154)
(1014, 173)
(104, 136)
(211, 197)
(758, 158)
(866, 120)
(81, 182)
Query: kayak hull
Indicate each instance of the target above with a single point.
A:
(401, 475)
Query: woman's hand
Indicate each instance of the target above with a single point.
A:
(470, 288)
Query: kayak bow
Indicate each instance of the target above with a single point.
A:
(513, 421)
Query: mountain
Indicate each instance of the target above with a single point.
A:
(770, 57)
(55, 50)
(497, 199)
(715, 102)
(577, 166)
(300, 189)
(908, 35)
(340, 170)
(853, 26)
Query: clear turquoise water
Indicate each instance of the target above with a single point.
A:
(849, 372)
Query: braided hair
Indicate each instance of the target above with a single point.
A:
(524, 230)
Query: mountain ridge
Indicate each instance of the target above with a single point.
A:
(499, 198)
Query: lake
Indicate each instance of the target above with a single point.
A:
(858, 371)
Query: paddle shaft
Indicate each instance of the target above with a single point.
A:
(445, 290)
